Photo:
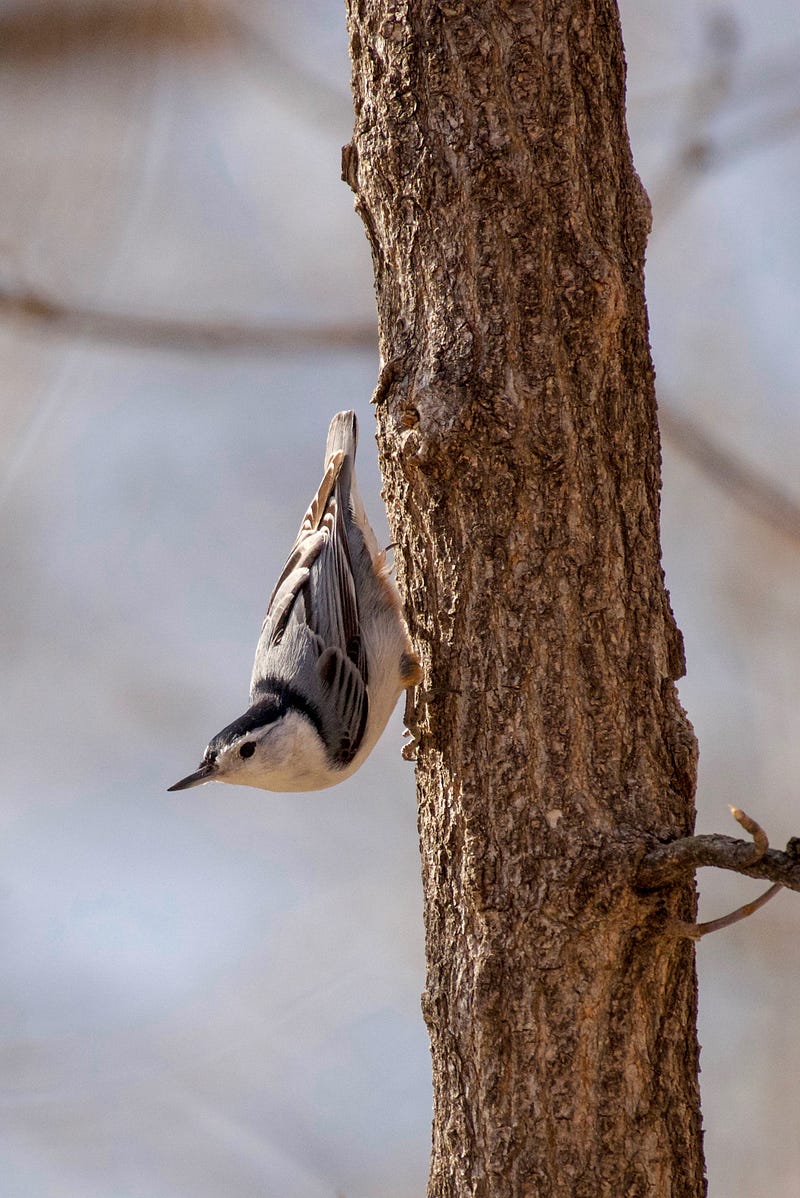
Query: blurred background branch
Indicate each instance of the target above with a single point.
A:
(745, 484)
(43, 30)
(165, 333)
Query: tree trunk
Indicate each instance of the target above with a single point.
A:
(518, 438)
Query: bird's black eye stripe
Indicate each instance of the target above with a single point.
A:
(247, 749)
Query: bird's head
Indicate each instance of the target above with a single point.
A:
(274, 746)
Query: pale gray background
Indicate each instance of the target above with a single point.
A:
(217, 993)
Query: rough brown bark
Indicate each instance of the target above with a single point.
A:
(518, 438)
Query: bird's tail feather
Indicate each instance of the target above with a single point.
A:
(343, 437)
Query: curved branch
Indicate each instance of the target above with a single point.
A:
(693, 931)
(669, 863)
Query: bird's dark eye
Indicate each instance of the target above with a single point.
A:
(247, 749)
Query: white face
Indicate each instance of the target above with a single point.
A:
(251, 758)
(286, 755)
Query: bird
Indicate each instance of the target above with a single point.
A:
(334, 654)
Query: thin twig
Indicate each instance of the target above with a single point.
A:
(760, 842)
(694, 931)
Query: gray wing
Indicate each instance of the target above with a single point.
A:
(311, 634)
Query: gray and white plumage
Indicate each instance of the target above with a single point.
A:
(334, 653)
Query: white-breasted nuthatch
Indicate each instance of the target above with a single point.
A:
(334, 653)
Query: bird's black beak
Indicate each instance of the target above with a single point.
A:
(205, 773)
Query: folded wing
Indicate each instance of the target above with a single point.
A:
(311, 632)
